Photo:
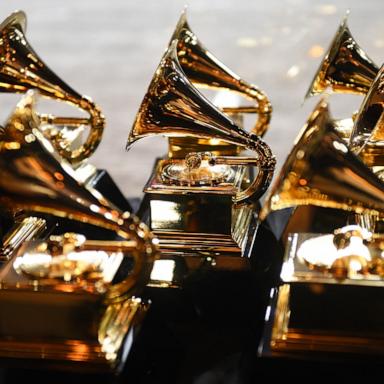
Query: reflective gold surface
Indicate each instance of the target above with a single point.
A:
(69, 318)
(345, 67)
(21, 69)
(203, 69)
(35, 179)
(27, 229)
(316, 314)
(174, 107)
(368, 134)
(322, 171)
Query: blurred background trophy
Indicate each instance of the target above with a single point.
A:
(77, 294)
(328, 263)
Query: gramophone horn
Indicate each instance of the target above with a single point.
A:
(173, 107)
(345, 68)
(21, 69)
(367, 138)
(322, 171)
(34, 178)
(204, 70)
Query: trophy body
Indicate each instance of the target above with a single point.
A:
(200, 220)
(315, 314)
(59, 317)
(201, 200)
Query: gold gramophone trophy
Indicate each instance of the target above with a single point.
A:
(345, 68)
(325, 306)
(204, 70)
(21, 69)
(202, 203)
(78, 294)
(367, 137)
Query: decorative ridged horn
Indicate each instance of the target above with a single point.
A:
(173, 107)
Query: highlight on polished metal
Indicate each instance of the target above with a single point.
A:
(203, 69)
(36, 179)
(26, 229)
(323, 172)
(345, 68)
(63, 284)
(173, 107)
(78, 294)
(367, 137)
(21, 69)
(327, 271)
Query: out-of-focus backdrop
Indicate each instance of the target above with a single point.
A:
(109, 50)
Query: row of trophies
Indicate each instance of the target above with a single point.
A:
(74, 259)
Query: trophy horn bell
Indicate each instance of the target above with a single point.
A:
(203, 69)
(345, 68)
(322, 171)
(173, 107)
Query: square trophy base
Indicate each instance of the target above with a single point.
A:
(315, 316)
(200, 221)
(65, 325)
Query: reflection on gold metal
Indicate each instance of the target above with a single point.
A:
(34, 178)
(21, 70)
(344, 127)
(367, 138)
(316, 311)
(345, 67)
(73, 262)
(322, 171)
(64, 287)
(202, 199)
(174, 107)
(203, 69)
(199, 168)
(28, 229)
(344, 254)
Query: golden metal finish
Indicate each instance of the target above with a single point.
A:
(63, 286)
(82, 264)
(298, 326)
(21, 69)
(322, 171)
(174, 107)
(347, 253)
(35, 179)
(345, 68)
(28, 229)
(204, 70)
(367, 138)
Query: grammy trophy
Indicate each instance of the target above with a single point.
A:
(21, 69)
(202, 202)
(57, 281)
(313, 311)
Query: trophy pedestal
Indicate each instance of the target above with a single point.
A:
(48, 322)
(316, 316)
(200, 223)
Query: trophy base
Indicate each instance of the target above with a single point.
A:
(58, 323)
(316, 316)
(199, 222)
